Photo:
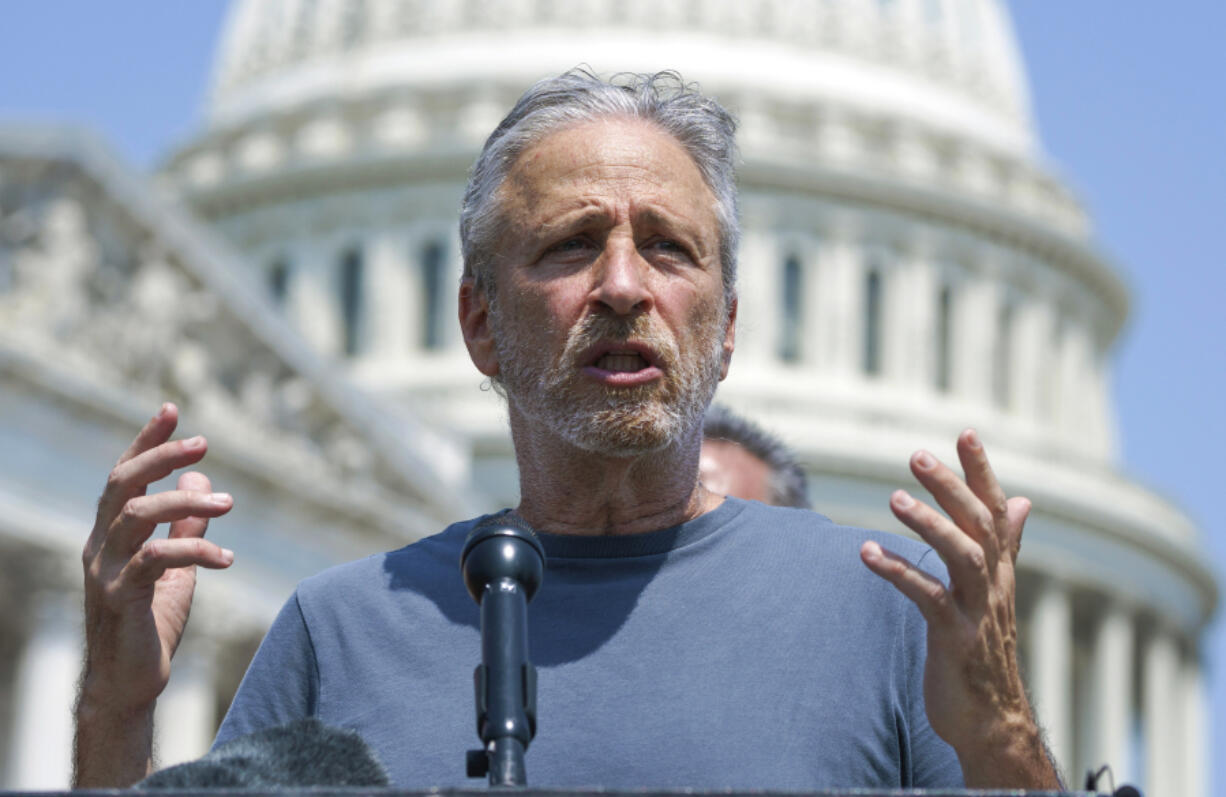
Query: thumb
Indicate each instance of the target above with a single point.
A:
(1015, 519)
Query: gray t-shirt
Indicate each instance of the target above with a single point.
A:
(748, 648)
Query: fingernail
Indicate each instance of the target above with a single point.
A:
(902, 499)
(227, 555)
(193, 443)
(219, 499)
(162, 411)
(924, 460)
(972, 437)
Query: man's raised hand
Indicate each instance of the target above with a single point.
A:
(973, 691)
(138, 593)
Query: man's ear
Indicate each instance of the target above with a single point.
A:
(475, 325)
(729, 340)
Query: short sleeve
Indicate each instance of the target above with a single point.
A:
(281, 684)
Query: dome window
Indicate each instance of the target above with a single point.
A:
(351, 300)
(944, 338)
(872, 323)
(791, 323)
(432, 265)
(278, 281)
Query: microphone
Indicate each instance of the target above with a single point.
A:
(303, 754)
(502, 564)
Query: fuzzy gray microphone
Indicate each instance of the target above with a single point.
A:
(303, 753)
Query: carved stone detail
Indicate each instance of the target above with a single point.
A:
(89, 290)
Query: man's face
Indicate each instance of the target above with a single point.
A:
(609, 322)
(730, 469)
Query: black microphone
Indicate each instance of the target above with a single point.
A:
(502, 564)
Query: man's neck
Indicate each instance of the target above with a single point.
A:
(567, 490)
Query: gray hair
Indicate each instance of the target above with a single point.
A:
(789, 486)
(700, 124)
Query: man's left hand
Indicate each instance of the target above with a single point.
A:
(973, 691)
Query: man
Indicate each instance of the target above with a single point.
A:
(683, 639)
(741, 459)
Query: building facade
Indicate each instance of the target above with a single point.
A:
(910, 265)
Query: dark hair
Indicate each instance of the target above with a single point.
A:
(789, 486)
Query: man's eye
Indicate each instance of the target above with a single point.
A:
(666, 246)
(572, 245)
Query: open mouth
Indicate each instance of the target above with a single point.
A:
(621, 362)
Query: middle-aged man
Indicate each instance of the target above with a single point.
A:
(683, 639)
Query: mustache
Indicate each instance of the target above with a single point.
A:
(597, 328)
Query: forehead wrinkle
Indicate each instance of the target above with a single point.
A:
(619, 178)
(586, 211)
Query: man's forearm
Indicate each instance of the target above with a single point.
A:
(1011, 756)
(112, 748)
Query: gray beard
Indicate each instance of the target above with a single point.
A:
(617, 422)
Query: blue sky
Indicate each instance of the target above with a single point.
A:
(1131, 107)
(1130, 99)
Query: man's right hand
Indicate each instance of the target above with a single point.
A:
(138, 593)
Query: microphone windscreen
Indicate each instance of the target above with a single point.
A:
(303, 753)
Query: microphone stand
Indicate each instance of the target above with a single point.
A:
(502, 564)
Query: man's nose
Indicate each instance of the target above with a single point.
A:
(622, 280)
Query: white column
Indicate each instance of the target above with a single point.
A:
(387, 295)
(313, 303)
(1051, 670)
(840, 317)
(1102, 412)
(1110, 685)
(895, 289)
(1195, 730)
(1031, 336)
(1161, 714)
(414, 318)
(917, 308)
(811, 302)
(755, 309)
(449, 293)
(186, 714)
(1074, 364)
(40, 756)
(973, 339)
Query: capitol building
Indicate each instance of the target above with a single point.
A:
(910, 265)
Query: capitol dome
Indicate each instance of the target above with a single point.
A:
(910, 265)
(952, 67)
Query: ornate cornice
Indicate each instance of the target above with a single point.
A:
(113, 286)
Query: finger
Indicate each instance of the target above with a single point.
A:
(1019, 510)
(140, 515)
(157, 431)
(962, 555)
(979, 475)
(192, 526)
(157, 556)
(962, 505)
(925, 591)
(131, 477)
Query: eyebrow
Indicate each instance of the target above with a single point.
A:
(647, 215)
(571, 221)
